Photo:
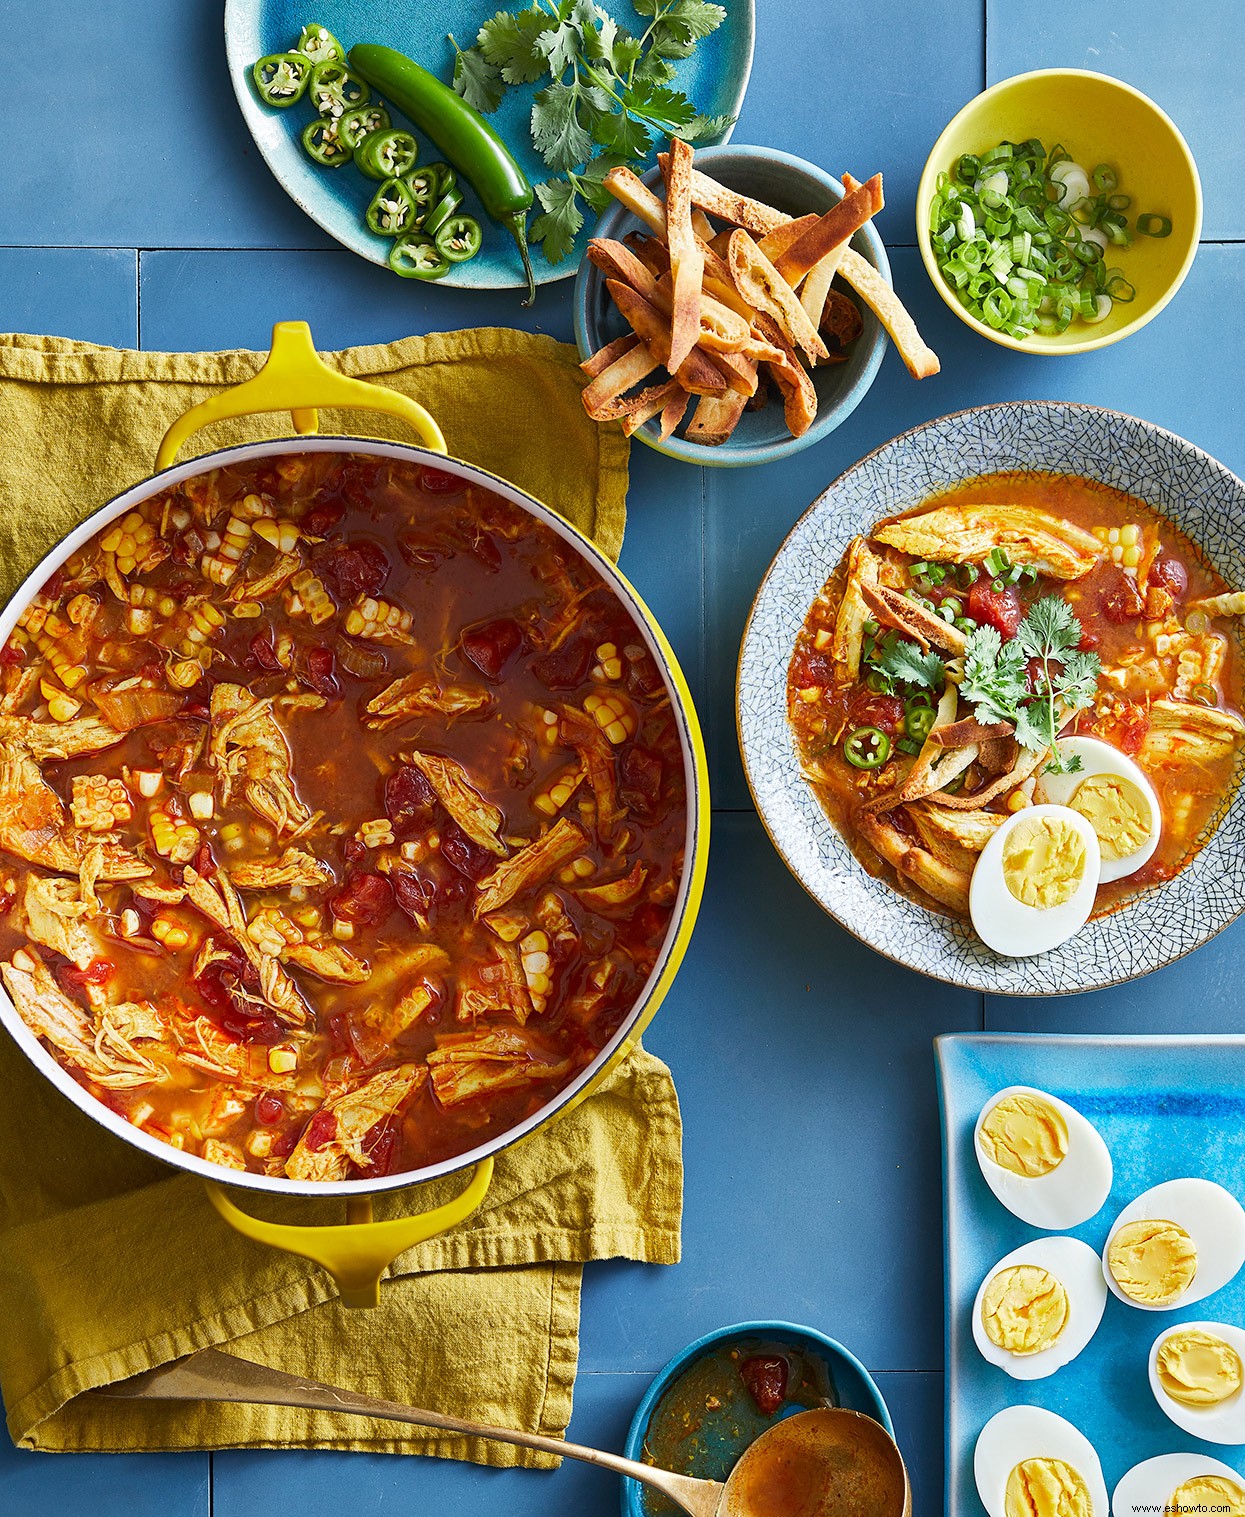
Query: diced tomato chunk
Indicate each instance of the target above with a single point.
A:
(320, 1130)
(410, 801)
(366, 899)
(1119, 599)
(414, 894)
(321, 671)
(97, 972)
(269, 1108)
(1171, 575)
(358, 567)
(1000, 609)
(566, 667)
(491, 645)
(885, 712)
(381, 1146)
(323, 517)
(766, 1378)
(467, 857)
(264, 653)
(12, 653)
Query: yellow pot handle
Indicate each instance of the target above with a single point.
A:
(296, 379)
(357, 1252)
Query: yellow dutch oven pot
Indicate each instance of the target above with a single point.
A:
(357, 1252)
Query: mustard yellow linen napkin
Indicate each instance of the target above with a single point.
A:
(111, 1263)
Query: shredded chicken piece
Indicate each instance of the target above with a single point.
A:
(479, 1063)
(853, 613)
(615, 893)
(228, 1155)
(357, 1113)
(58, 740)
(378, 1024)
(478, 818)
(934, 767)
(273, 580)
(577, 730)
(294, 867)
(499, 987)
(55, 915)
(955, 838)
(967, 533)
(417, 695)
(35, 826)
(249, 746)
(1185, 733)
(328, 961)
(220, 903)
(530, 866)
(51, 1015)
(166, 895)
(208, 1049)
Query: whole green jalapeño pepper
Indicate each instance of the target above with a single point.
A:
(461, 133)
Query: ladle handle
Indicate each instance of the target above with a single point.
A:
(211, 1375)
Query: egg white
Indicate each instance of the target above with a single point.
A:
(1077, 1268)
(1211, 1216)
(1150, 1485)
(1030, 1432)
(1224, 1423)
(1008, 925)
(1098, 757)
(1072, 1192)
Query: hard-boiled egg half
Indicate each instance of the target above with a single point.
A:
(1179, 1483)
(1043, 1160)
(1029, 1460)
(1034, 884)
(1177, 1243)
(1114, 796)
(1039, 1306)
(1196, 1373)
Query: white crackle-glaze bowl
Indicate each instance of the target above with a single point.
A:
(1203, 498)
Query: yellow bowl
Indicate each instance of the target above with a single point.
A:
(1098, 120)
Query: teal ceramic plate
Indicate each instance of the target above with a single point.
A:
(1168, 1108)
(714, 79)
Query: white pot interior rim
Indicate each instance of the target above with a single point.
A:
(655, 642)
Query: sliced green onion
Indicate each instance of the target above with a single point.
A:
(1150, 225)
(1105, 178)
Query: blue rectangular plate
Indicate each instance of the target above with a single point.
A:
(1167, 1108)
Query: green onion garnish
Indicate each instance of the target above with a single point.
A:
(1021, 235)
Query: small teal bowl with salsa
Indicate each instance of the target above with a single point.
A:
(738, 1368)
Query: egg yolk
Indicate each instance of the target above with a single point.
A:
(1025, 1135)
(1198, 1369)
(1046, 1488)
(1207, 1493)
(1117, 811)
(1024, 1309)
(1153, 1261)
(1043, 861)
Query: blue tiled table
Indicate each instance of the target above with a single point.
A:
(803, 1061)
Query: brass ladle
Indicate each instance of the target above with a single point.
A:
(828, 1462)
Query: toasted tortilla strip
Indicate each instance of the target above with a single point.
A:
(849, 624)
(970, 730)
(942, 881)
(1016, 775)
(632, 192)
(672, 412)
(616, 379)
(766, 290)
(739, 210)
(687, 264)
(715, 418)
(921, 360)
(934, 766)
(596, 363)
(721, 329)
(799, 398)
(696, 373)
(896, 610)
(815, 291)
(835, 228)
(1031, 538)
(774, 244)
(647, 404)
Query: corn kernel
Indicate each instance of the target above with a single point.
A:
(343, 931)
(174, 840)
(169, 932)
(608, 665)
(130, 923)
(185, 673)
(283, 1059)
(81, 609)
(61, 707)
(1130, 536)
(1131, 557)
(149, 782)
(247, 610)
(1113, 536)
(308, 594)
(1017, 801)
(309, 916)
(613, 714)
(377, 833)
(823, 639)
(99, 803)
(202, 805)
(810, 694)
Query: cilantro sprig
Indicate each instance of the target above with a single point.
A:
(609, 92)
(998, 685)
(903, 663)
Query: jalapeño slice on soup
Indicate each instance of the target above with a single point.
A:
(1024, 638)
(343, 815)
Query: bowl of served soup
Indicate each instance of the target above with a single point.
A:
(353, 814)
(990, 697)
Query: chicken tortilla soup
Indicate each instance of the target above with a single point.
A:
(1024, 643)
(343, 815)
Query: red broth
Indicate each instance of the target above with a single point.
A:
(384, 800)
